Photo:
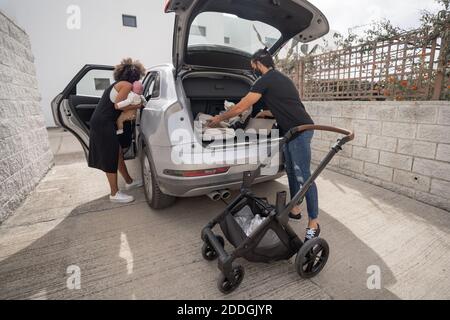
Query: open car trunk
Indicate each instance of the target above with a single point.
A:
(207, 93)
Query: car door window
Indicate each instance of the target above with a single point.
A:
(156, 86)
(94, 83)
(148, 86)
(152, 86)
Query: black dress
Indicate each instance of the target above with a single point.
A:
(104, 144)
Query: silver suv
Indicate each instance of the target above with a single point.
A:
(212, 46)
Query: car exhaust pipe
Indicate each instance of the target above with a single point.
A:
(225, 194)
(215, 196)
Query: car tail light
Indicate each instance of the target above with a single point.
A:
(197, 173)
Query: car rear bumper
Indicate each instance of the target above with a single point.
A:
(189, 187)
(198, 186)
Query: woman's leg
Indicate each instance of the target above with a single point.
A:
(113, 183)
(116, 195)
(300, 153)
(123, 168)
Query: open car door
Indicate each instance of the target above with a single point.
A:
(74, 107)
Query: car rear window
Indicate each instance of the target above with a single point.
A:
(221, 29)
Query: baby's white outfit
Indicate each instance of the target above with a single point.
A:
(133, 99)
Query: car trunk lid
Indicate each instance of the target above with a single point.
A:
(290, 18)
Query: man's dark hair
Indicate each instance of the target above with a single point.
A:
(264, 57)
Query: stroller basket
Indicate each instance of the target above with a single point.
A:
(242, 223)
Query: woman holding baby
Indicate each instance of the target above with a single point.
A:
(119, 103)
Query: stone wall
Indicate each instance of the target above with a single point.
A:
(25, 155)
(401, 146)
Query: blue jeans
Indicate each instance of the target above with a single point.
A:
(297, 154)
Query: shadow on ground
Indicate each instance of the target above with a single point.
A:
(132, 252)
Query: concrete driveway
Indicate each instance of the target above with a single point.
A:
(133, 252)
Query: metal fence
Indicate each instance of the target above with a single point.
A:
(407, 67)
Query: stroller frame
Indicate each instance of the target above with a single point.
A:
(277, 220)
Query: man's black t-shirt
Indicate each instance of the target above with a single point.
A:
(283, 100)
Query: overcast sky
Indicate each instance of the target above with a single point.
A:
(344, 14)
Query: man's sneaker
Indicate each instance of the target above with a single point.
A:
(312, 233)
(134, 185)
(121, 198)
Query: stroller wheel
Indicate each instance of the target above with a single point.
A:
(208, 252)
(226, 286)
(312, 258)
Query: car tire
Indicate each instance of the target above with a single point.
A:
(156, 199)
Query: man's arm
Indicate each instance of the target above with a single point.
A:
(246, 103)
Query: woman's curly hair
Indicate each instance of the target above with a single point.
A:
(129, 70)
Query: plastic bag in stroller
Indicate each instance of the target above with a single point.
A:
(242, 223)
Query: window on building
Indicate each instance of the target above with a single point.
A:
(129, 21)
(198, 31)
(102, 84)
(227, 40)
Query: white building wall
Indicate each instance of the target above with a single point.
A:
(102, 39)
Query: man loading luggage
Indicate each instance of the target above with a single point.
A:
(283, 101)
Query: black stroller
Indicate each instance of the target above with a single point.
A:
(272, 239)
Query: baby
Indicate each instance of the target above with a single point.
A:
(134, 98)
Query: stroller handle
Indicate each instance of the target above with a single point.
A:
(349, 135)
(250, 177)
